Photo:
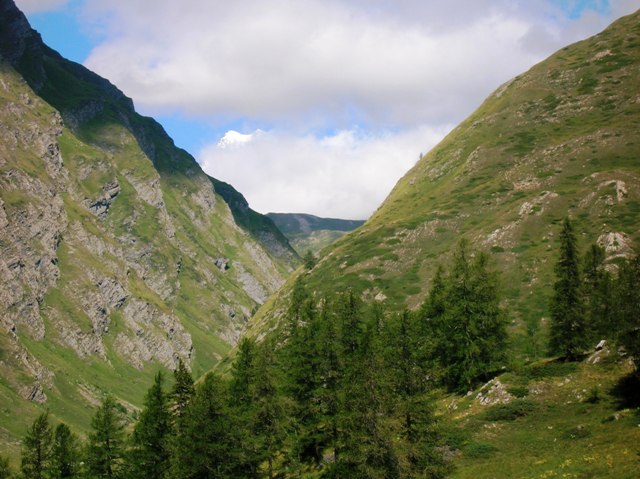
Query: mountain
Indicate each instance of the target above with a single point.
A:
(311, 233)
(559, 140)
(118, 254)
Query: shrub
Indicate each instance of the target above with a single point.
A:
(510, 411)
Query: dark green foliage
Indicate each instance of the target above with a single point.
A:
(208, 444)
(568, 331)
(269, 424)
(550, 369)
(518, 391)
(598, 294)
(65, 453)
(349, 310)
(365, 448)
(510, 411)
(628, 308)
(359, 385)
(36, 449)
(105, 449)
(243, 373)
(182, 391)
(309, 260)
(5, 468)
(469, 330)
(149, 453)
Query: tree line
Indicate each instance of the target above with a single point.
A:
(347, 389)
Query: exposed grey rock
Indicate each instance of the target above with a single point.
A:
(112, 292)
(144, 343)
(100, 207)
(36, 394)
(222, 263)
(494, 392)
(251, 285)
(147, 189)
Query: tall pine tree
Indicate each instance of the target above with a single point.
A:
(598, 294)
(469, 330)
(568, 329)
(65, 453)
(628, 308)
(208, 445)
(36, 449)
(181, 393)
(149, 454)
(105, 449)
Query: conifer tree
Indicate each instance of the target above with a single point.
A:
(468, 325)
(598, 294)
(208, 445)
(301, 356)
(410, 372)
(36, 449)
(105, 449)
(149, 454)
(299, 296)
(366, 449)
(65, 453)
(243, 373)
(269, 410)
(349, 316)
(328, 398)
(628, 308)
(242, 398)
(182, 391)
(309, 260)
(568, 329)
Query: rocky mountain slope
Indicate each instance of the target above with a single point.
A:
(312, 233)
(560, 139)
(118, 254)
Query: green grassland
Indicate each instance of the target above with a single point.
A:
(570, 421)
(559, 140)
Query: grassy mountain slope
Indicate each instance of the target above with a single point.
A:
(311, 233)
(547, 420)
(118, 254)
(560, 139)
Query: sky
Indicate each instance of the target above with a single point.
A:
(313, 106)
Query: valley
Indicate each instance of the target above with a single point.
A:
(431, 340)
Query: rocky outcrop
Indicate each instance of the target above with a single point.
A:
(145, 344)
(100, 207)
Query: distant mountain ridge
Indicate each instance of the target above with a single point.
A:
(304, 223)
(119, 255)
(309, 232)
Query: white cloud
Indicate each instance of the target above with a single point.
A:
(234, 139)
(346, 174)
(281, 60)
(38, 6)
(386, 62)
(303, 66)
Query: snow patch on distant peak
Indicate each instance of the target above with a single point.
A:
(235, 139)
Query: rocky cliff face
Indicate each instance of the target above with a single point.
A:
(118, 255)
